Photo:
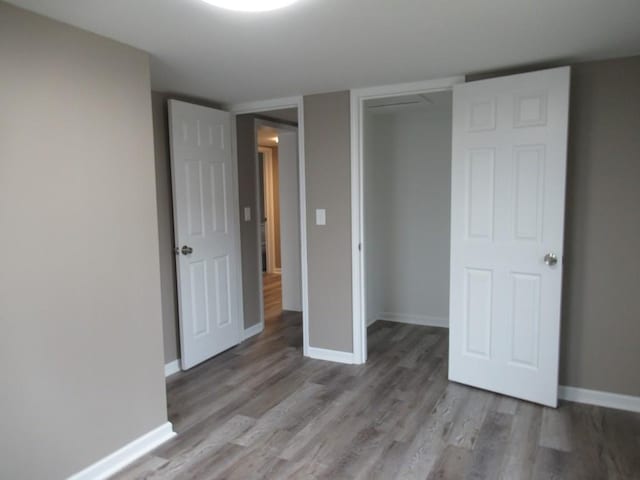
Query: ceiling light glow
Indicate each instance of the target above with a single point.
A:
(251, 5)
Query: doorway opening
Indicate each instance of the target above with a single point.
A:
(406, 172)
(278, 196)
(272, 226)
(400, 144)
(269, 218)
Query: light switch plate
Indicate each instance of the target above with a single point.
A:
(247, 214)
(321, 216)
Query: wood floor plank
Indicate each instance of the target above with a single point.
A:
(142, 468)
(388, 463)
(429, 441)
(506, 405)
(490, 448)
(214, 465)
(272, 293)
(621, 442)
(587, 440)
(550, 464)
(466, 429)
(420, 409)
(555, 432)
(522, 446)
(339, 435)
(200, 453)
(280, 416)
(354, 462)
(263, 411)
(315, 426)
(453, 464)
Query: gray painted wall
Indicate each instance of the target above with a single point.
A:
(80, 306)
(249, 231)
(601, 298)
(407, 168)
(328, 186)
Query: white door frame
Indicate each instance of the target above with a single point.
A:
(358, 246)
(279, 104)
(269, 207)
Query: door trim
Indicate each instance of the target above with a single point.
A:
(277, 104)
(358, 97)
(269, 207)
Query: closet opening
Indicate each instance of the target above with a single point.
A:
(406, 211)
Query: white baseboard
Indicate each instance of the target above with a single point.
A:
(124, 456)
(291, 308)
(330, 355)
(253, 330)
(371, 321)
(425, 320)
(599, 398)
(172, 367)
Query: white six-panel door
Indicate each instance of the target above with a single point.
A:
(206, 232)
(507, 219)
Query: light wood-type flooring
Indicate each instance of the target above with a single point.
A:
(272, 296)
(262, 410)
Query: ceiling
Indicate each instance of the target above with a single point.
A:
(327, 45)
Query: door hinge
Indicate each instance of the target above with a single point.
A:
(360, 247)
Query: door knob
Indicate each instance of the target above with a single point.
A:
(186, 250)
(550, 259)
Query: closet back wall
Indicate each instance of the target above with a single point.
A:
(407, 177)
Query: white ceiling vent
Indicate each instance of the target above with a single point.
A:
(403, 101)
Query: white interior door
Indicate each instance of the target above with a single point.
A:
(507, 219)
(268, 213)
(206, 231)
